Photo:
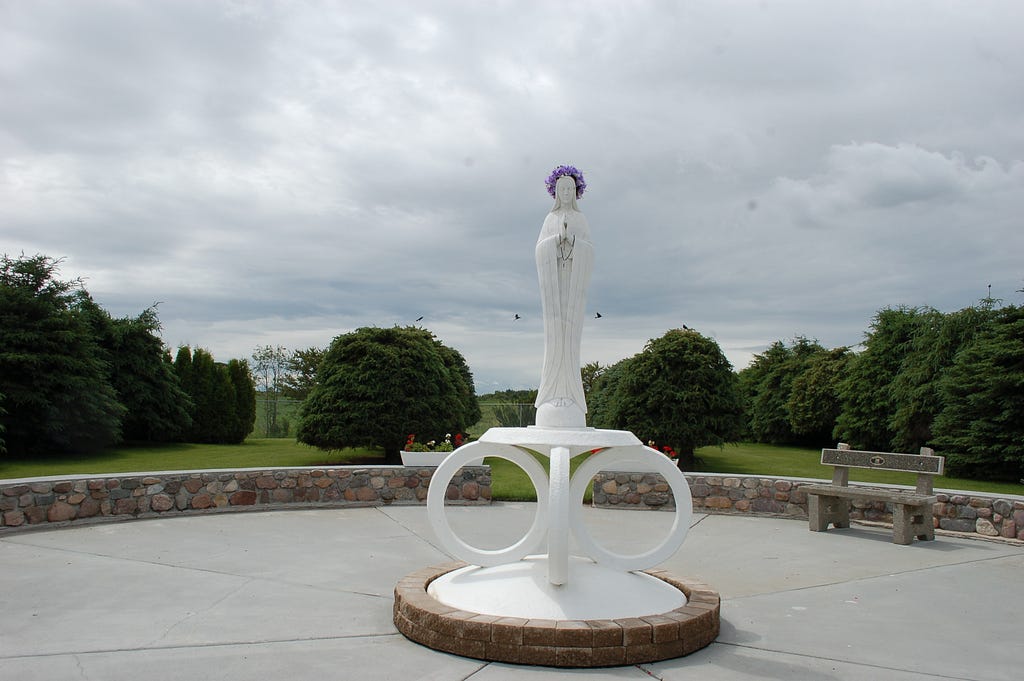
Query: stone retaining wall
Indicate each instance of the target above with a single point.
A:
(985, 514)
(35, 502)
(69, 500)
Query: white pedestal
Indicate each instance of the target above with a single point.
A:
(593, 593)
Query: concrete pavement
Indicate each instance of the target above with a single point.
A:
(307, 594)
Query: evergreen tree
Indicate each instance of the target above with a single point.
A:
(462, 383)
(915, 389)
(589, 373)
(866, 391)
(142, 377)
(244, 389)
(601, 400)
(377, 386)
(980, 429)
(680, 391)
(814, 404)
(214, 419)
(56, 384)
(183, 370)
(767, 386)
(222, 397)
(3, 445)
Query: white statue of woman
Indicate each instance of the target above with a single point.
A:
(565, 259)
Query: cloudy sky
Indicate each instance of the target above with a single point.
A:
(284, 172)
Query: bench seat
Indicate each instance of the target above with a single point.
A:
(911, 510)
(874, 493)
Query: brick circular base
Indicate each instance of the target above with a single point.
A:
(557, 643)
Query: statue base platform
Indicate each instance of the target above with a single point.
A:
(514, 605)
(576, 440)
(533, 622)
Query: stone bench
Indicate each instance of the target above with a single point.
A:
(911, 510)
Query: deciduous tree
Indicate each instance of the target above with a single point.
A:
(301, 374)
(270, 367)
(513, 408)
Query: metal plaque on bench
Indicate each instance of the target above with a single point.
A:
(883, 460)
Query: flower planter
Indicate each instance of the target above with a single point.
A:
(423, 458)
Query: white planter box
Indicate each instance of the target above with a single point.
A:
(423, 458)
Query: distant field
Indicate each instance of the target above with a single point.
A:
(510, 483)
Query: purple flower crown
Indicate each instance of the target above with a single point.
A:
(573, 171)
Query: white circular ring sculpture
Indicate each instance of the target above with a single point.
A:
(650, 459)
(463, 456)
(560, 507)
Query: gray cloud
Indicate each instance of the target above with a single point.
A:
(282, 173)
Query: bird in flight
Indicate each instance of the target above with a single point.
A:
(597, 316)
(419, 319)
(517, 316)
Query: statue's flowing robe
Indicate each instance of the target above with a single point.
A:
(563, 292)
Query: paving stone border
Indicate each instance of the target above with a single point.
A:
(988, 515)
(557, 643)
(71, 500)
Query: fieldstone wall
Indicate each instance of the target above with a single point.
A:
(985, 514)
(69, 500)
(66, 500)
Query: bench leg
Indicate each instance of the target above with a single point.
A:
(911, 521)
(922, 524)
(824, 510)
(927, 528)
(901, 524)
(816, 522)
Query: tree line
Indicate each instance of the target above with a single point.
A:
(74, 379)
(951, 381)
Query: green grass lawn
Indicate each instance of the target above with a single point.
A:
(757, 459)
(254, 453)
(509, 481)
